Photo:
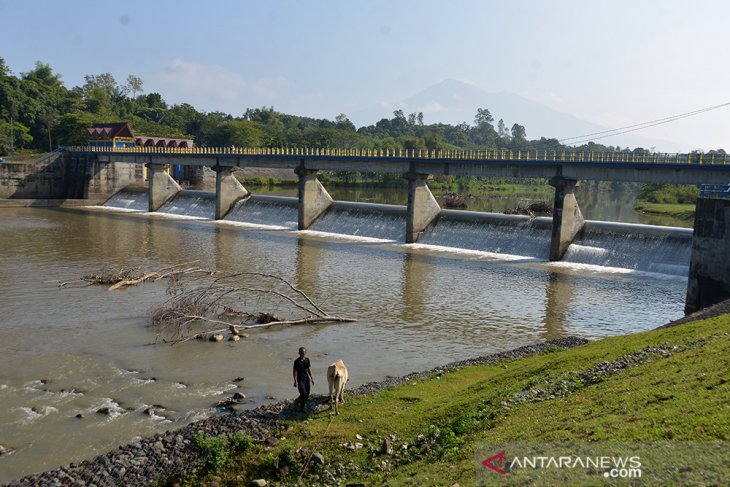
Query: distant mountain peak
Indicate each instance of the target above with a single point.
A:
(453, 101)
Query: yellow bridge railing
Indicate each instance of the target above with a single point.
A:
(496, 155)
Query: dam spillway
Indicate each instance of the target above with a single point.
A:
(633, 247)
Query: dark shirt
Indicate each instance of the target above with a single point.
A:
(301, 367)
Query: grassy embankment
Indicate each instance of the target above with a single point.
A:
(23, 157)
(673, 385)
(672, 200)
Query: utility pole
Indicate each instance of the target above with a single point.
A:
(12, 139)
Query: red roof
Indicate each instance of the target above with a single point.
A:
(109, 130)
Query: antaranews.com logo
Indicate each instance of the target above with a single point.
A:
(661, 463)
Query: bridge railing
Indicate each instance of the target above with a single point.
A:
(421, 154)
(715, 191)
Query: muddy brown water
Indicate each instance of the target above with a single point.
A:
(73, 351)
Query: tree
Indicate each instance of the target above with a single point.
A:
(518, 133)
(134, 84)
(502, 129)
(483, 132)
(343, 123)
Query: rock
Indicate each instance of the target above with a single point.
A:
(79, 416)
(259, 483)
(105, 411)
(6, 450)
(358, 446)
(238, 379)
(149, 412)
(271, 441)
(238, 396)
(358, 437)
(216, 338)
(318, 458)
(234, 338)
(387, 447)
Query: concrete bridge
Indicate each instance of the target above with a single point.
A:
(563, 170)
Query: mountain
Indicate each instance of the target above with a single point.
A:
(453, 102)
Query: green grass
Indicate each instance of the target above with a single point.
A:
(680, 395)
(684, 212)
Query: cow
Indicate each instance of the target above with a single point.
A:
(337, 378)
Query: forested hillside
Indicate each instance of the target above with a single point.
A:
(38, 112)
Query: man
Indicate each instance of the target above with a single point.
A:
(302, 376)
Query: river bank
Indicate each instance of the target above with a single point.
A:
(426, 426)
(164, 456)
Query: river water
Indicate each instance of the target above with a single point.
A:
(71, 351)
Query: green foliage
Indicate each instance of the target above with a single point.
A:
(669, 193)
(268, 466)
(54, 115)
(240, 442)
(218, 449)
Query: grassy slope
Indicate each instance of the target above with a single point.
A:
(684, 212)
(682, 395)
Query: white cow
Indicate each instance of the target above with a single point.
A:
(337, 378)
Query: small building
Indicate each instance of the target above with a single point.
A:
(117, 135)
(120, 135)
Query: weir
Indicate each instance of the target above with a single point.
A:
(646, 248)
(110, 169)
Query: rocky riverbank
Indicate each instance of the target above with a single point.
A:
(170, 454)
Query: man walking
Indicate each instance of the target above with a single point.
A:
(302, 376)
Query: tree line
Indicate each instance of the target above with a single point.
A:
(38, 112)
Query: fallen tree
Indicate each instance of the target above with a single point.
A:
(205, 304)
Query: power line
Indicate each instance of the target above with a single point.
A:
(639, 126)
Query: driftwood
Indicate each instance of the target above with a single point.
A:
(538, 208)
(119, 278)
(202, 301)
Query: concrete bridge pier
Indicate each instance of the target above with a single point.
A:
(161, 186)
(228, 191)
(709, 267)
(313, 198)
(422, 206)
(567, 218)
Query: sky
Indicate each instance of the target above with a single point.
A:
(616, 62)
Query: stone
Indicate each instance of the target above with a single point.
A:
(238, 396)
(387, 447)
(234, 338)
(105, 411)
(6, 450)
(216, 338)
(259, 483)
(79, 416)
(318, 458)
(238, 379)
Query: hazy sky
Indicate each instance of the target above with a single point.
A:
(614, 62)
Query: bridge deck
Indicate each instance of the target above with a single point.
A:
(607, 166)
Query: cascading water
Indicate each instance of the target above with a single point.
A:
(386, 222)
(491, 232)
(276, 211)
(198, 204)
(662, 250)
(129, 200)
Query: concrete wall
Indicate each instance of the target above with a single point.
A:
(67, 176)
(709, 269)
(46, 179)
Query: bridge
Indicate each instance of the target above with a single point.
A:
(563, 169)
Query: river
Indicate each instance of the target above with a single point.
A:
(68, 352)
